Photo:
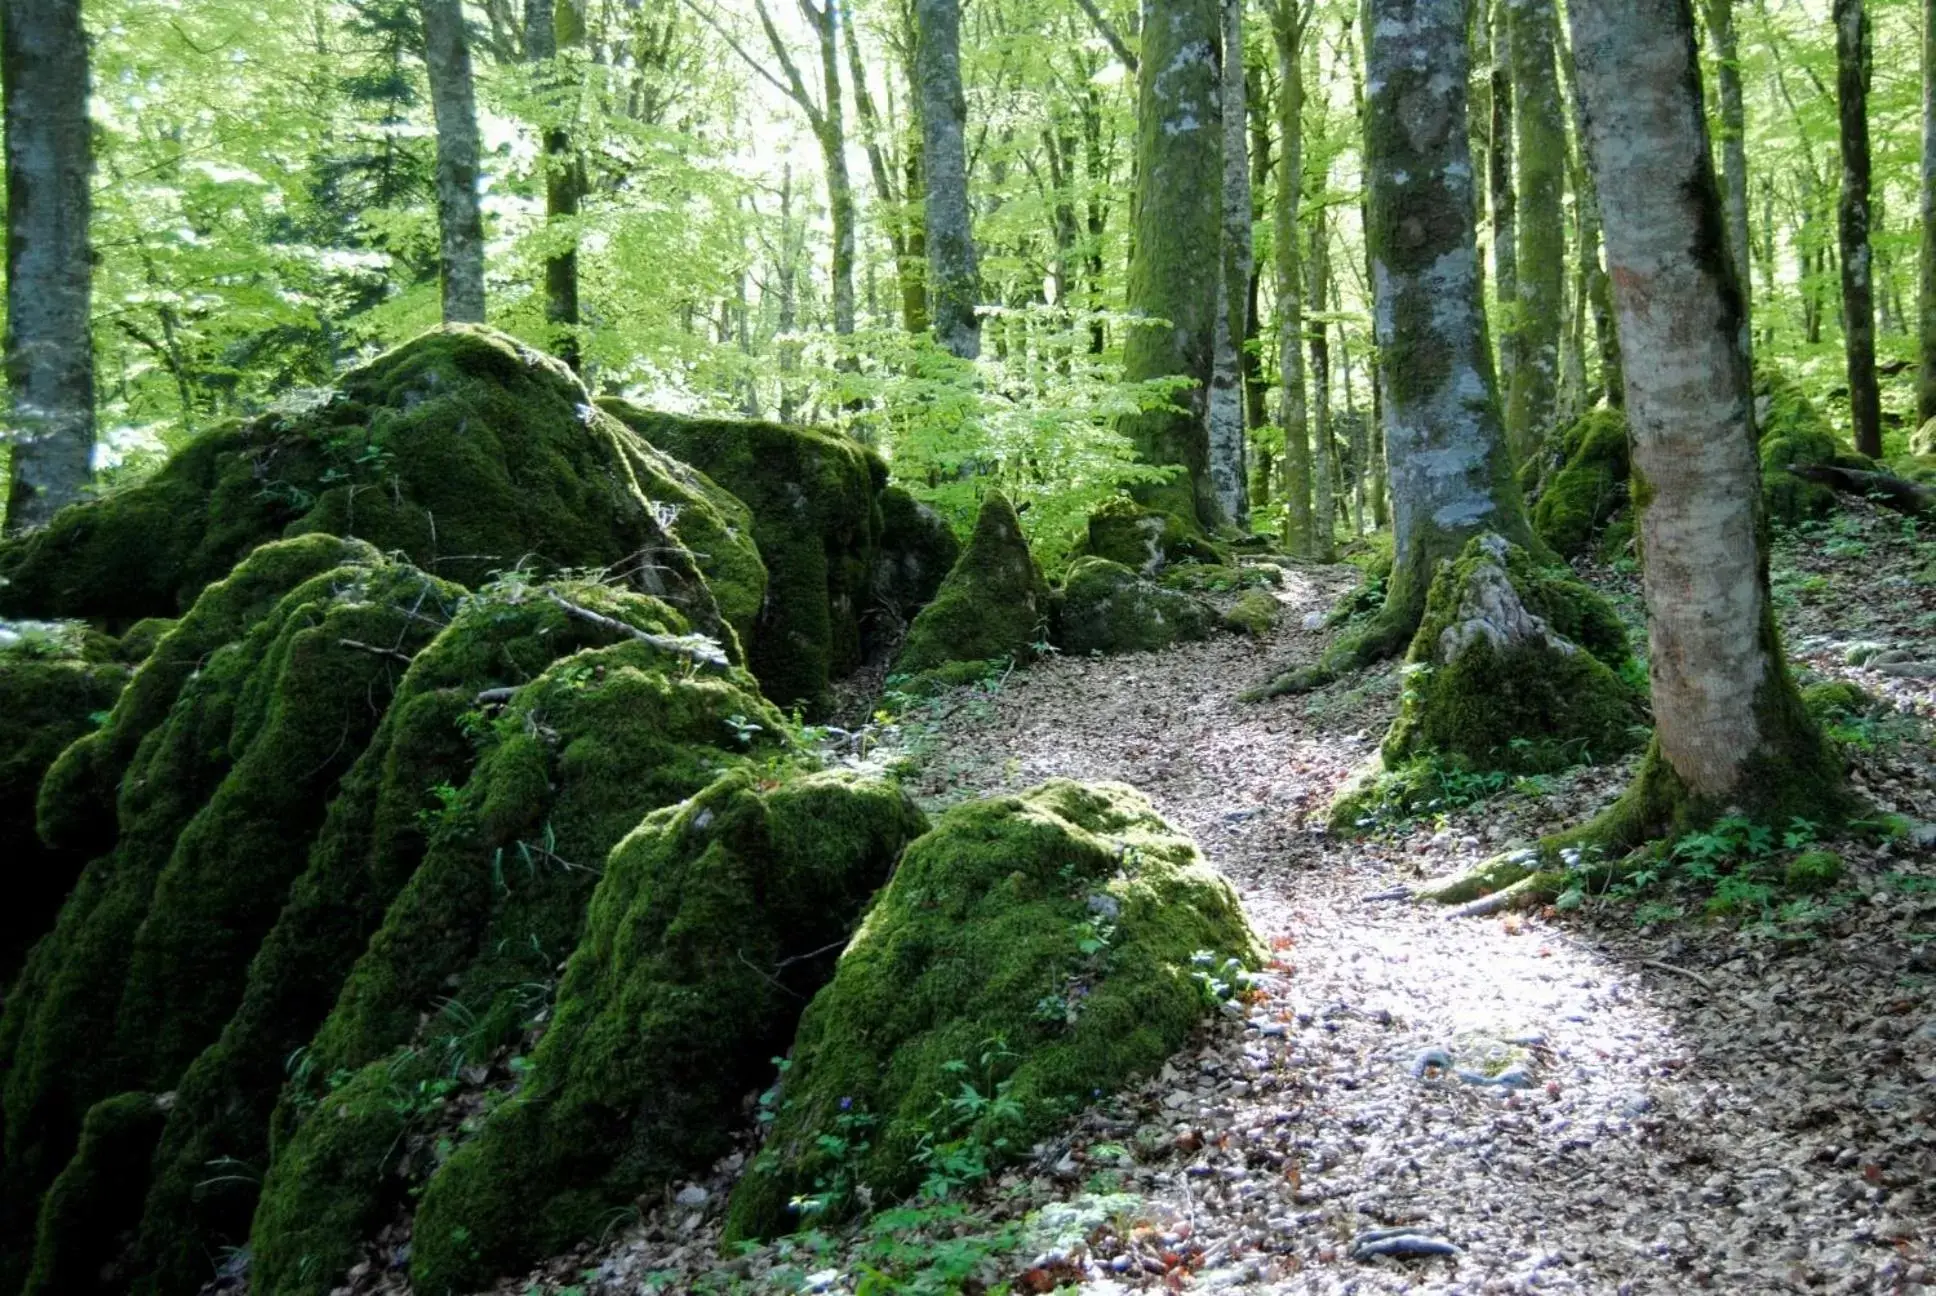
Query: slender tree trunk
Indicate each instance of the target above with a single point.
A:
(1730, 730)
(460, 219)
(1287, 32)
(49, 355)
(1324, 509)
(1540, 139)
(1926, 295)
(1852, 63)
(1499, 177)
(893, 199)
(1598, 294)
(1176, 260)
(1734, 145)
(832, 134)
(954, 281)
(564, 173)
(1229, 474)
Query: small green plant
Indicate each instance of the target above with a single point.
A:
(963, 1138)
(1735, 869)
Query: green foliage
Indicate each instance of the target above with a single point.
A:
(1734, 868)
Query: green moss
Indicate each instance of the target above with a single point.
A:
(1105, 607)
(1813, 872)
(1793, 431)
(1514, 667)
(1916, 468)
(1217, 578)
(993, 604)
(1831, 696)
(917, 551)
(1043, 941)
(714, 923)
(462, 449)
(817, 519)
(1254, 613)
(577, 757)
(1589, 487)
(1146, 539)
(373, 838)
(49, 696)
(86, 1221)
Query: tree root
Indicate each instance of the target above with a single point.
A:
(1533, 889)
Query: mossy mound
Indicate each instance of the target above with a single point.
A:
(1144, 539)
(462, 449)
(1254, 613)
(468, 953)
(994, 603)
(1794, 431)
(1105, 607)
(1215, 578)
(1832, 698)
(714, 923)
(1514, 667)
(87, 1219)
(1038, 949)
(1589, 487)
(816, 502)
(917, 551)
(51, 693)
(377, 830)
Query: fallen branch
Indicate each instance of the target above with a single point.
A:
(693, 647)
(373, 648)
(1522, 894)
(1898, 493)
(1695, 977)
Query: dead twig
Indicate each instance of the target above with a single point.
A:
(695, 648)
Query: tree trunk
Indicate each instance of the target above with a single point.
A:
(1734, 146)
(564, 175)
(832, 134)
(1730, 730)
(1926, 296)
(1586, 197)
(1324, 508)
(1176, 261)
(49, 355)
(1499, 176)
(1229, 475)
(1540, 140)
(460, 219)
(954, 282)
(1287, 32)
(1852, 66)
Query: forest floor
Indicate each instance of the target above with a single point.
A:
(1611, 1100)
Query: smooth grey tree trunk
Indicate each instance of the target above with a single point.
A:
(1287, 33)
(1539, 121)
(563, 172)
(954, 281)
(1324, 504)
(460, 218)
(1926, 294)
(1852, 64)
(1730, 730)
(49, 355)
(1176, 257)
(1229, 473)
(1499, 186)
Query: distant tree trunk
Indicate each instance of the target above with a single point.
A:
(954, 282)
(1229, 475)
(1176, 259)
(1287, 32)
(1734, 145)
(564, 174)
(1499, 188)
(1730, 732)
(49, 355)
(1451, 473)
(460, 219)
(1926, 296)
(894, 202)
(1852, 64)
(1593, 274)
(1324, 509)
(1540, 139)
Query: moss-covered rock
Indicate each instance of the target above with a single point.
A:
(1216, 578)
(1514, 667)
(1794, 431)
(1105, 607)
(714, 923)
(816, 501)
(468, 950)
(993, 604)
(1813, 872)
(50, 695)
(1144, 539)
(1832, 698)
(1038, 949)
(1254, 613)
(87, 1219)
(1589, 486)
(462, 449)
(917, 551)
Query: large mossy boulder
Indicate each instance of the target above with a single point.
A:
(1105, 607)
(1794, 431)
(463, 450)
(1514, 667)
(994, 603)
(714, 923)
(1040, 949)
(1590, 485)
(817, 508)
(917, 551)
(1145, 539)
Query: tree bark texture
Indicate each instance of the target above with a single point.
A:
(1734, 146)
(1852, 69)
(1324, 504)
(1926, 295)
(1499, 184)
(954, 281)
(460, 218)
(1287, 33)
(564, 176)
(1229, 474)
(49, 355)
(1539, 120)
